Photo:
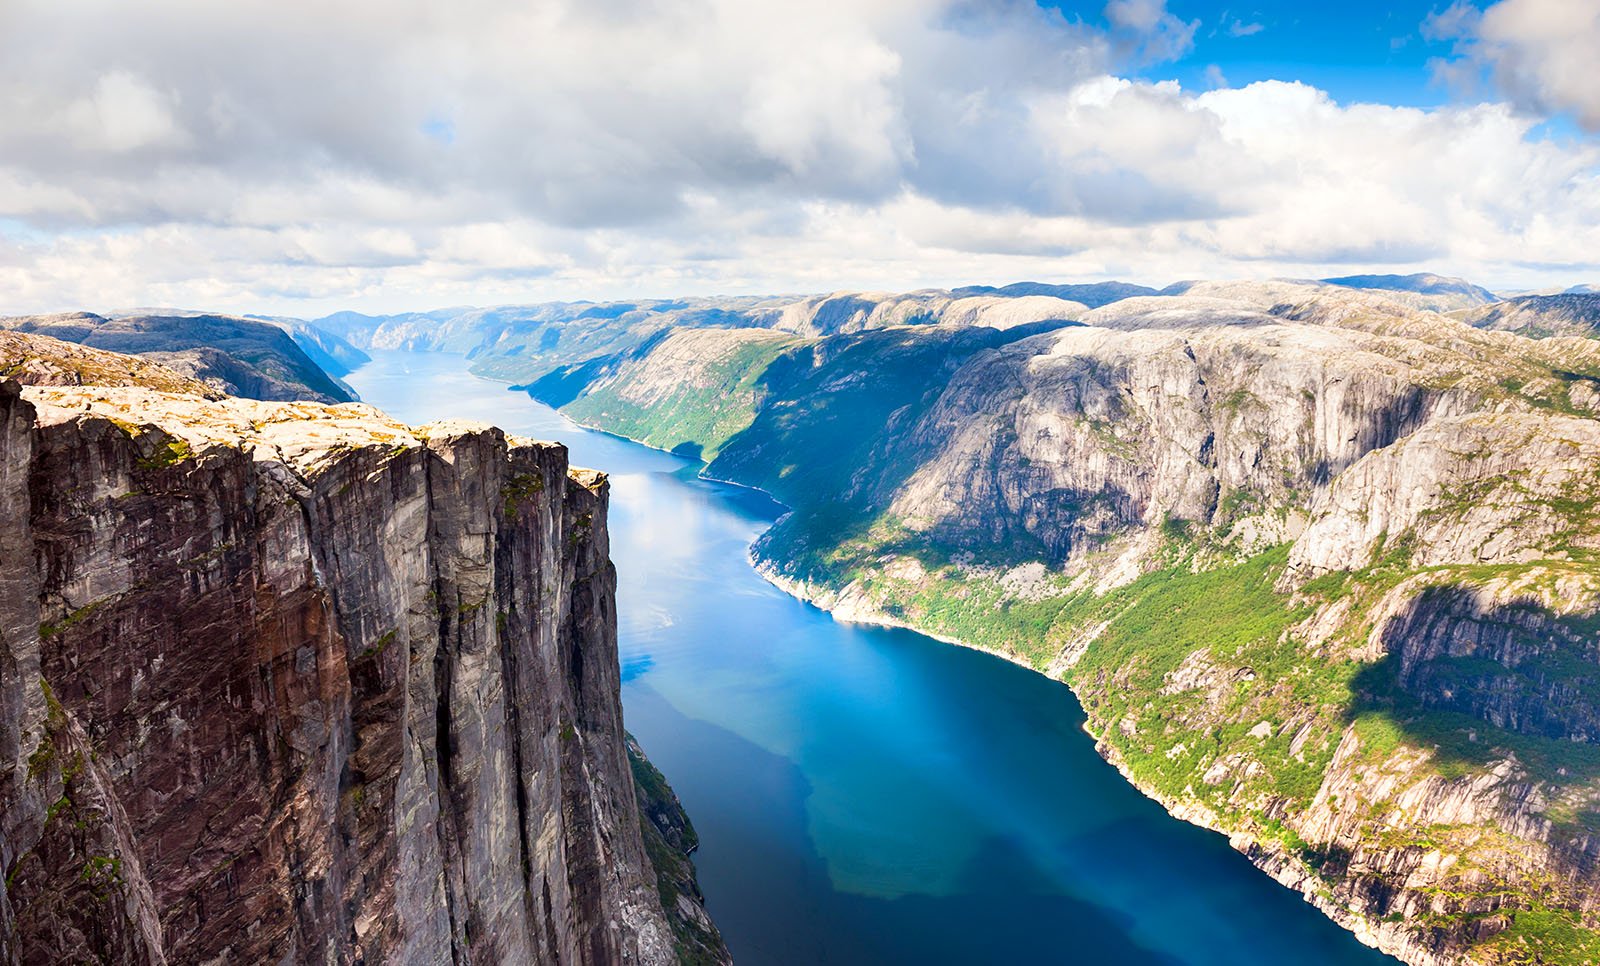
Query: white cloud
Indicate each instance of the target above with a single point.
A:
(1541, 53)
(123, 113)
(261, 156)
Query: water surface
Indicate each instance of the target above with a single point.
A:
(868, 796)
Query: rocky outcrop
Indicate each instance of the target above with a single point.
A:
(1085, 433)
(297, 683)
(240, 357)
(1481, 488)
(670, 839)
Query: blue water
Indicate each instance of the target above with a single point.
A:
(867, 795)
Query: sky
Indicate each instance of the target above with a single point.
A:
(299, 158)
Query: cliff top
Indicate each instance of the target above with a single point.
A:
(301, 435)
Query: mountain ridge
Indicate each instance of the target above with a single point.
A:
(238, 356)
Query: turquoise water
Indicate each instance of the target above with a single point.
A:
(867, 795)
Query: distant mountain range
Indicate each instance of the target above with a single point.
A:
(1441, 292)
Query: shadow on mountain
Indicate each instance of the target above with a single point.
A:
(1478, 681)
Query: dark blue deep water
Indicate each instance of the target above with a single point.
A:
(867, 795)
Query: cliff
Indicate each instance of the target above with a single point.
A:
(291, 682)
(1320, 565)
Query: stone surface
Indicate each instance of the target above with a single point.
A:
(1574, 314)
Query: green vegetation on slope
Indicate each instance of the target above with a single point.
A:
(1231, 626)
(696, 419)
(827, 407)
(1201, 681)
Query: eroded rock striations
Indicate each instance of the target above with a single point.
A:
(285, 682)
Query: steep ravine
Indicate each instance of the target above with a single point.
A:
(296, 683)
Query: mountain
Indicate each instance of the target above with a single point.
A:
(240, 357)
(527, 343)
(1541, 316)
(1092, 294)
(1321, 566)
(1424, 290)
(287, 682)
(39, 360)
(332, 354)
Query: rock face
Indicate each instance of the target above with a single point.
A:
(669, 839)
(1089, 432)
(296, 683)
(241, 357)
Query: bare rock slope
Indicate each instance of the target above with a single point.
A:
(1574, 314)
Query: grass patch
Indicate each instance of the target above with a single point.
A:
(1553, 937)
